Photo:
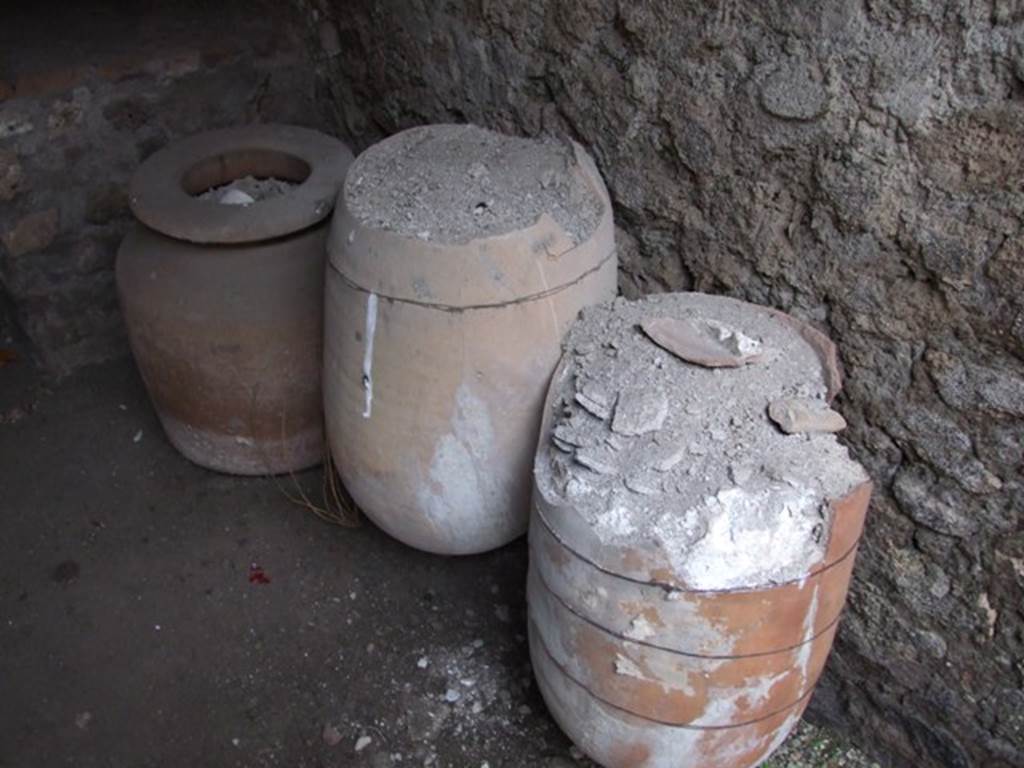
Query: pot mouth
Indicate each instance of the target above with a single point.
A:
(306, 167)
(224, 168)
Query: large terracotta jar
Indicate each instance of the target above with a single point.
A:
(695, 524)
(222, 292)
(441, 336)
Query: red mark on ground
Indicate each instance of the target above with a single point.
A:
(257, 575)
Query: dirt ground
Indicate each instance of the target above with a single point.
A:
(156, 614)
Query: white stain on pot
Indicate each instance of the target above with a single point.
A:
(371, 329)
(640, 628)
(731, 705)
(614, 522)
(625, 666)
(803, 658)
(765, 536)
(600, 731)
(463, 484)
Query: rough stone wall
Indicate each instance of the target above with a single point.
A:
(87, 91)
(859, 164)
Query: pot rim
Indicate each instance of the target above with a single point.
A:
(159, 198)
(487, 272)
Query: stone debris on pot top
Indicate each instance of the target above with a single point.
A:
(454, 183)
(699, 425)
(247, 190)
(704, 342)
(794, 415)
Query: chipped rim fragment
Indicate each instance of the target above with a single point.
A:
(785, 414)
(825, 348)
(664, 331)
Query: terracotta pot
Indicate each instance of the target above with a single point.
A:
(642, 671)
(224, 303)
(437, 358)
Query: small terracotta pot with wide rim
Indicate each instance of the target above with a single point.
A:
(224, 303)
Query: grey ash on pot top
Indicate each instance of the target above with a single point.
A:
(248, 190)
(454, 183)
(662, 454)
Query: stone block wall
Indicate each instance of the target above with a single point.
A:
(860, 165)
(89, 90)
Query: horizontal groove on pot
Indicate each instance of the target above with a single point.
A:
(618, 739)
(669, 687)
(847, 553)
(537, 638)
(829, 624)
(486, 305)
(754, 615)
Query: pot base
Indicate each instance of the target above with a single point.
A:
(241, 455)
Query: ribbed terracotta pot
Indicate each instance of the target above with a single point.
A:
(224, 303)
(642, 671)
(437, 357)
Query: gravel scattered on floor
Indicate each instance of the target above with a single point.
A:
(811, 746)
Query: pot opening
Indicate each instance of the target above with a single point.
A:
(261, 165)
